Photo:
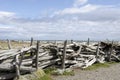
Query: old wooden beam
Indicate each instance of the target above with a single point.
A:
(111, 51)
(97, 51)
(37, 52)
(7, 76)
(11, 68)
(71, 41)
(64, 55)
(13, 52)
(31, 43)
(17, 66)
(9, 44)
(88, 42)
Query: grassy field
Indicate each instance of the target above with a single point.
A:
(100, 65)
(14, 44)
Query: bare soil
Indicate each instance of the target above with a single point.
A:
(110, 73)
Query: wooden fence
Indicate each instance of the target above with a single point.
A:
(60, 55)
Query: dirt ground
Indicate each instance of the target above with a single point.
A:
(110, 73)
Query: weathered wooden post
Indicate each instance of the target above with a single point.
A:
(21, 57)
(17, 66)
(33, 60)
(9, 44)
(37, 52)
(111, 51)
(31, 43)
(88, 42)
(71, 41)
(55, 43)
(97, 51)
(64, 55)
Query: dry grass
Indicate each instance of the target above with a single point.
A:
(38, 75)
(14, 44)
(100, 65)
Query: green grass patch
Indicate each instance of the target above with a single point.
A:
(49, 70)
(27, 55)
(67, 73)
(45, 77)
(38, 75)
(64, 72)
(99, 65)
(54, 71)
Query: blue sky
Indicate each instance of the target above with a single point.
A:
(60, 19)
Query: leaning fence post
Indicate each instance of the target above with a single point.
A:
(111, 51)
(97, 51)
(55, 42)
(37, 52)
(31, 43)
(64, 55)
(71, 41)
(9, 44)
(88, 42)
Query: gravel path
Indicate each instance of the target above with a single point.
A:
(111, 73)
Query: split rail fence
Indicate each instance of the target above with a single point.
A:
(16, 62)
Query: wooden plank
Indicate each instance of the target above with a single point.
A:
(3, 51)
(43, 54)
(8, 56)
(15, 52)
(89, 62)
(28, 62)
(11, 68)
(7, 52)
(47, 63)
(116, 57)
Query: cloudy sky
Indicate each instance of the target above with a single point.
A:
(60, 19)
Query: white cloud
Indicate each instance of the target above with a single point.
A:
(6, 14)
(77, 3)
(62, 29)
(76, 10)
(94, 21)
(80, 6)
